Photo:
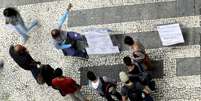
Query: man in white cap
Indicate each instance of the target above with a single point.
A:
(133, 89)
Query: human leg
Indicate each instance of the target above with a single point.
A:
(33, 24)
(80, 96)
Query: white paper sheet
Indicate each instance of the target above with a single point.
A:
(99, 42)
(170, 34)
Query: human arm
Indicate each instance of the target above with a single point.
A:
(62, 45)
(124, 98)
(63, 18)
(138, 56)
(146, 89)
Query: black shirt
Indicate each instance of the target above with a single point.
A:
(24, 60)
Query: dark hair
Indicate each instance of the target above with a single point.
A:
(58, 72)
(91, 76)
(127, 61)
(55, 33)
(9, 12)
(128, 40)
(21, 49)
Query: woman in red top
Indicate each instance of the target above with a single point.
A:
(67, 85)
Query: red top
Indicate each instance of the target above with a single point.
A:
(65, 84)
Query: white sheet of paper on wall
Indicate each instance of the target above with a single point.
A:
(170, 34)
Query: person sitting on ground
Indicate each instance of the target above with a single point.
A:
(139, 53)
(22, 57)
(104, 86)
(67, 86)
(14, 18)
(133, 89)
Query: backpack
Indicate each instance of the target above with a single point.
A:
(144, 77)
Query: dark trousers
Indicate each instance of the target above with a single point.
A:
(148, 98)
(35, 71)
(73, 52)
(114, 93)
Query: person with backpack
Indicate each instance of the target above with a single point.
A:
(136, 69)
(67, 86)
(133, 89)
(139, 53)
(105, 86)
(15, 22)
(71, 43)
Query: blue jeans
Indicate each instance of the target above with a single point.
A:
(23, 30)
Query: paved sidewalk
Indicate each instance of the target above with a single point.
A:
(178, 78)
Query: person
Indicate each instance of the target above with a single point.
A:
(105, 86)
(67, 41)
(136, 69)
(47, 72)
(22, 57)
(71, 43)
(67, 86)
(139, 53)
(132, 68)
(133, 89)
(15, 21)
(64, 17)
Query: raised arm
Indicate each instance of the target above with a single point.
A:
(63, 18)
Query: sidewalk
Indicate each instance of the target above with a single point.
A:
(180, 78)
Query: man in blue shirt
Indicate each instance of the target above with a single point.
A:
(71, 43)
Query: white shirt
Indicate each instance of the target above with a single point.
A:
(95, 85)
